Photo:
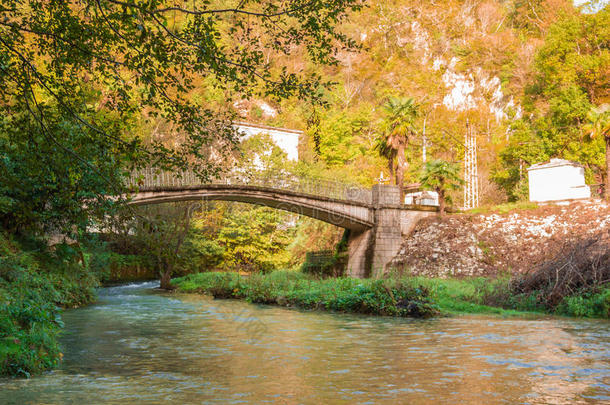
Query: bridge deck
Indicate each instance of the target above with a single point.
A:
(152, 180)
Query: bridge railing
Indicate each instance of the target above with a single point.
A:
(152, 179)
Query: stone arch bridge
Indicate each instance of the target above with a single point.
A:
(376, 219)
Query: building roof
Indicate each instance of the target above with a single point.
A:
(260, 126)
(554, 163)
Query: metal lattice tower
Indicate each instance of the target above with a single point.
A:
(471, 176)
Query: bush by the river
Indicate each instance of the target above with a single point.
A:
(34, 283)
(575, 282)
(379, 297)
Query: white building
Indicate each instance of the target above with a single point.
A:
(557, 180)
(422, 198)
(286, 139)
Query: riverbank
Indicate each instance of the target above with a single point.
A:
(482, 295)
(425, 296)
(36, 282)
(399, 297)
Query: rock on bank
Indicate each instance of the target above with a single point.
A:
(491, 244)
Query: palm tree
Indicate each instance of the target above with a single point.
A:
(441, 177)
(387, 152)
(599, 125)
(399, 128)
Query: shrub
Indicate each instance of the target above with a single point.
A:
(590, 305)
(32, 287)
(572, 280)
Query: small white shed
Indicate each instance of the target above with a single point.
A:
(557, 180)
(422, 198)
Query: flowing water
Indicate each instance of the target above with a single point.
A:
(136, 345)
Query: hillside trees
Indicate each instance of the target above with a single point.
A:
(570, 77)
(535, 16)
(66, 68)
(599, 127)
(432, 52)
(478, 60)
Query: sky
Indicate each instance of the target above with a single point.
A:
(598, 4)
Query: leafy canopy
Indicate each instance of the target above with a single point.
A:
(401, 113)
(598, 124)
(82, 80)
(440, 175)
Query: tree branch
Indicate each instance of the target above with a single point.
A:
(237, 10)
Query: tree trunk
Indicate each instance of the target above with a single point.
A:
(392, 169)
(607, 185)
(400, 172)
(166, 271)
(166, 279)
(441, 201)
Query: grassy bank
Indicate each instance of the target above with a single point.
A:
(506, 208)
(469, 296)
(378, 297)
(35, 283)
(497, 296)
(424, 296)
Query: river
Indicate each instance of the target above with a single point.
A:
(136, 345)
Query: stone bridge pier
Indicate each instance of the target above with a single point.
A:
(371, 250)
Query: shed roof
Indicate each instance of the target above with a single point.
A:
(554, 163)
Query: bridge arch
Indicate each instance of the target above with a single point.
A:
(355, 216)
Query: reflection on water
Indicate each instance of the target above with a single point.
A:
(139, 346)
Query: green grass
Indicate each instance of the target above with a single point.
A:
(441, 296)
(468, 296)
(493, 296)
(379, 297)
(428, 296)
(504, 208)
(588, 305)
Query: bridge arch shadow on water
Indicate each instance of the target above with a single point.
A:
(375, 217)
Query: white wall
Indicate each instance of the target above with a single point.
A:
(557, 182)
(288, 141)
